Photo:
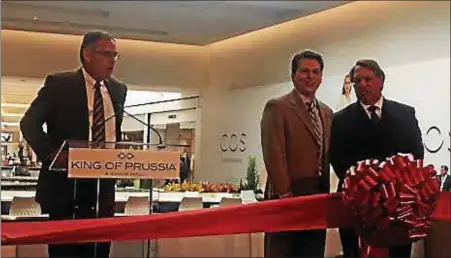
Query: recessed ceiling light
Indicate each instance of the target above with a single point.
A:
(35, 17)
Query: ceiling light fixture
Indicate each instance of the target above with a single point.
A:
(10, 124)
(12, 115)
(15, 105)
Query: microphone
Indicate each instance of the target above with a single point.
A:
(121, 108)
(160, 146)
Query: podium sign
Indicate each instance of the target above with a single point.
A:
(123, 164)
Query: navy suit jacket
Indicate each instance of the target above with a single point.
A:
(355, 138)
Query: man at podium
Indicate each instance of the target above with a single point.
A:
(84, 105)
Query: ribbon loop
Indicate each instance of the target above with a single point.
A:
(393, 200)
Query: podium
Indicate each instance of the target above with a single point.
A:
(116, 160)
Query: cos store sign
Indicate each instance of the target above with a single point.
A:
(434, 139)
(233, 142)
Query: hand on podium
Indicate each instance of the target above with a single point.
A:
(61, 161)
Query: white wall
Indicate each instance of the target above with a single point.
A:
(129, 124)
(164, 106)
(181, 116)
(184, 109)
(409, 39)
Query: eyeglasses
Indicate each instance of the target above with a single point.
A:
(110, 54)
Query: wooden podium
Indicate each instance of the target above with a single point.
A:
(118, 160)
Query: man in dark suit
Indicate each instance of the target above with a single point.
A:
(445, 179)
(372, 127)
(295, 133)
(74, 106)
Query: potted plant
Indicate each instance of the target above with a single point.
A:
(252, 180)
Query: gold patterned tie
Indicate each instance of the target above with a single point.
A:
(315, 121)
(317, 129)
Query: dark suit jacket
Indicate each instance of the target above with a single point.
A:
(61, 104)
(447, 184)
(355, 138)
(290, 149)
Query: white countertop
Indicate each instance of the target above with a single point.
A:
(19, 184)
(7, 196)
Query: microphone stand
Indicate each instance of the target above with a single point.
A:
(160, 138)
(160, 146)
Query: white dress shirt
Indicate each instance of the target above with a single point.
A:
(110, 125)
(378, 105)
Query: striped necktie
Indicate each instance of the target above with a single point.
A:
(98, 118)
(317, 128)
(315, 121)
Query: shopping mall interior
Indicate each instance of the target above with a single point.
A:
(199, 74)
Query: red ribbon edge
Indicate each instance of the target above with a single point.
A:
(300, 213)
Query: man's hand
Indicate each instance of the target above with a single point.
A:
(286, 195)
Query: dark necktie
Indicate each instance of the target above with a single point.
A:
(374, 117)
(98, 118)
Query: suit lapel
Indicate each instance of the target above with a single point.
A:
(360, 112)
(325, 120)
(302, 112)
(81, 98)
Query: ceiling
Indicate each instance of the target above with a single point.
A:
(17, 94)
(183, 22)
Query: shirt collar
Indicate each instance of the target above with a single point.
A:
(378, 104)
(305, 100)
(90, 81)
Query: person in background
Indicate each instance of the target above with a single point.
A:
(74, 105)
(295, 133)
(445, 180)
(21, 169)
(184, 168)
(20, 153)
(347, 96)
(372, 127)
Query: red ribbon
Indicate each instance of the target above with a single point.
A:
(396, 195)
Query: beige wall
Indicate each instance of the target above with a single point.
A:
(395, 32)
(31, 54)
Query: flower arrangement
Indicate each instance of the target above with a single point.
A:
(251, 182)
(201, 187)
